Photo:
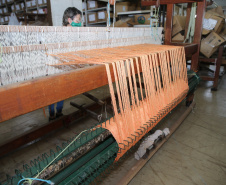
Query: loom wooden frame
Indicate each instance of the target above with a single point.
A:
(21, 98)
(193, 48)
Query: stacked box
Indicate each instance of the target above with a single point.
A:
(178, 24)
(95, 4)
(33, 3)
(28, 4)
(124, 7)
(92, 17)
(214, 33)
(3, 2)
(103, 16)
(42, 2)
(83, 6)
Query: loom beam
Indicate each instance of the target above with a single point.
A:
(21, 98)
(153, 2)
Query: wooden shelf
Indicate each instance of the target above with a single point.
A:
(97, 9)
(134, 12)
(42, 6)
(2, 6)
(102, 22)
(31, 8)
(5, 14)
(18, 1)
(24, 12)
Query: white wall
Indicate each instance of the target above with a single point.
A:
(59, 6)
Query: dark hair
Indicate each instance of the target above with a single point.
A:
(70, 12)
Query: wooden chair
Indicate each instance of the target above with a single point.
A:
(217, 60)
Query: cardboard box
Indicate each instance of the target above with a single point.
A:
(178, 38)
(22, 6)
(92, 17)
(223, 33)
(212, 22)
(120, 23)
(33, 3)
(83, 6)
(217, 12)
(124, 7)
(17, 6)
(143, 19)
(5, 10)
(178, 24)
(95, 4)
(28, 4)
(83, 20)
(123, 23)
(13, 8)
(210, 44)
(40, 2)
(103, 16)
(6, 18)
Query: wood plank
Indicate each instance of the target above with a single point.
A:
(207, 78)
(198, 33)
(21, 98)
(189, 48)
(208, 60)
(223, 62)
(140, 164)
(169, 24)
(152, 2)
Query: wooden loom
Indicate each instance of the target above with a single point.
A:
(17, 99)
(165, 79)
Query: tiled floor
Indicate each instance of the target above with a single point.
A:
(195, 154)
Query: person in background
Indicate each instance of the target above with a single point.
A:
(72, 17)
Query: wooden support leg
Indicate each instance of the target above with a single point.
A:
(217, 71)
(198, 33)
(189, 100)
(169, 24)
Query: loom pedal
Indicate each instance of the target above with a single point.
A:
(89, 112)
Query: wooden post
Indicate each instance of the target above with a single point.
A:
(198, 33)
(24, 97)
(217, 71)
(169, 24)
